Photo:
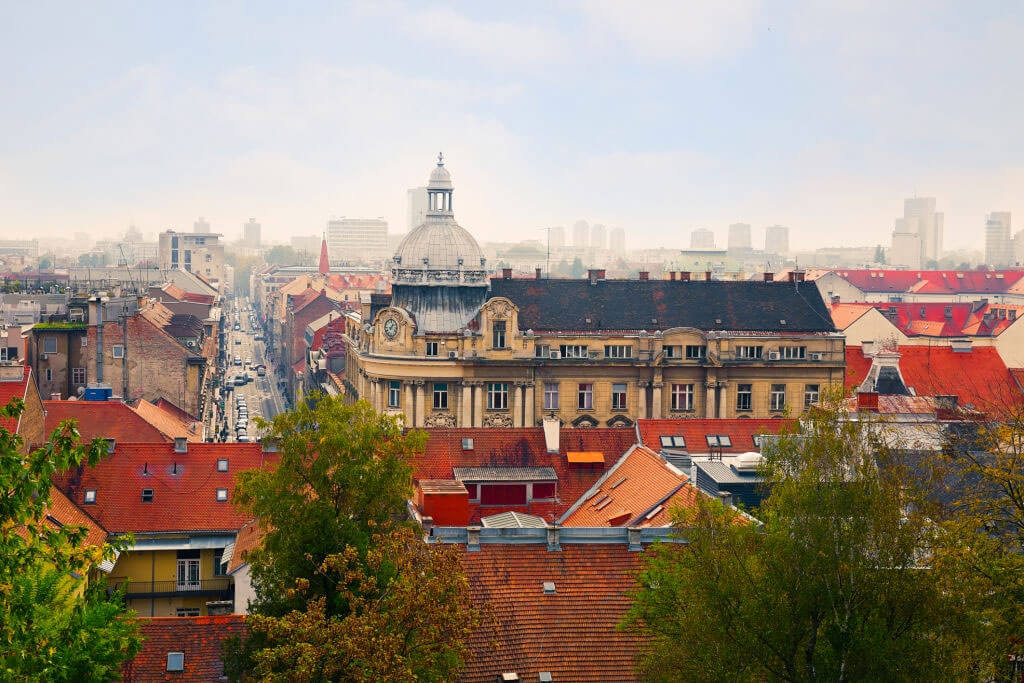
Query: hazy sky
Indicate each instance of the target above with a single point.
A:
(657, 117)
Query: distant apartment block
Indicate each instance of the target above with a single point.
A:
(27, 248)
(198, 252)
(598, 236)
(617, 241)
(201, 226)
(357, 240)
(776, 240)
(251, 234)
(581, 234)
(417, 207)
(998, 246)
(739, 238)
(556, 237)
(702, 238)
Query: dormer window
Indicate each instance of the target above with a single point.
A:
(498, 334)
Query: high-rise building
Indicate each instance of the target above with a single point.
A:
(351, 240)
(617, 241)
(1018, 248)
(556, 237)
(702, 238)
(906, 244)
(598, 236)
(929, 226)
(739, 237)
(416, 200)
(776, 240)
(196, 252)
(251, 234)
(581, 234)
(201, 226)
(998, 247)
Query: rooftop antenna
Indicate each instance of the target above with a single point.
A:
(548, 229)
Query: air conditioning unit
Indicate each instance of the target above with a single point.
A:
(774, 355)
(43, 356)
(451, 355)
(554, 355)
(817, 356)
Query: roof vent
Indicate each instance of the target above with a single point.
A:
(467, 444)
(180, 444)
(508, 676)
(617, 483)
(545, 677)
(549, 588)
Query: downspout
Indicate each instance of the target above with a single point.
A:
(152, 583)
(99, 341)
(124, 357)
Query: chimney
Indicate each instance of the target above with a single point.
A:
(55, 396)
(472, 538)
(684, 276)
(725, 497)
(551, 433)
(635, 536)
(946, 406)
(707, 275)
(506, 273)
(592, 276)
(867, 401)
(601, 274)
(536, 273)
(867, 348)
(553, 544)
(835, 300)
(180, 444)
(644, 275)
(672, 276)
(792, 276)
(427, 523)
(769, 277)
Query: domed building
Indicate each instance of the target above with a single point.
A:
(451, 346)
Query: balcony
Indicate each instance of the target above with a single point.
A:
(219, 588)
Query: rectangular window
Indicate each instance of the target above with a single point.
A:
(117, 351)
(749, 352)
(675, 441)
(793, 352)
(778, 397)
(696, 351)
(550, 395)
(49, 375)
(394, 394)
(618, 351)
(673, 351)
(440, 396)
(744, 397)
(542, 351)
(473, 490)
(497, 396)
(503, 494)
(431, 348)
(618, 397)
(218, 567)
(718, 440)
(182, 612)
(85, 342)
(188, 575)
(498, 334)
(543, 491)
(682, 397)
(49, 345)
(585, 398)
(810, 395)
(78, 376)
(4, 353)
(573, 351)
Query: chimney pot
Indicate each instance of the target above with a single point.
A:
(644, 275)
(867, 401)
(506, 273)
(427, 523)
(707, 275)
(769, 277)
(684, 276)
(672, 276)
(600, 274)
(536, 273)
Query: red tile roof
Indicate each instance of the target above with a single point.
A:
(14, 389)
(979, 378)
(68, 514)
(740, 431)
(571, 634)
(168, 420)
(199, 638)
(932, 281)
(634, 487)
(185, 501)
(523, 447)
(104, 419)
(934, 319)
(249, 537)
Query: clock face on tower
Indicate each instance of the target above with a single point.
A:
(390, 328)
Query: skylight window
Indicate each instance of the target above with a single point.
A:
(147, 495)
(549, 588)
(175, 661)
(719, 441)
(222, 464)
(222, 495)
(677, 441)
(90, 496)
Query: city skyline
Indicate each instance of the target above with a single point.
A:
(246, 114)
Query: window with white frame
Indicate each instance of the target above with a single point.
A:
(618, 351)
(811, 394)
(431, 348)
(498, 334)
(542, 351)
(85, 341)
(793, 352)
(440, 396)
(744, 397)
(585, 397)
(49, 345)
(573, 351)
(673, 351)
(682, 397)
(78, 375)
(550, 395)
(117, 351)
(696, 351)
(394, 394)
(749, 352)
(777, 400)
(673, 441)
(497, 396)
(718, 440)
(619, 396)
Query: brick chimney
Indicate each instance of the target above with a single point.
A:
(867, 401)
(594, 275)
(644, 275)
(707, 275)
(536, 273)
(684, 276)
(672, 276)
(506, 273)
(769, 277)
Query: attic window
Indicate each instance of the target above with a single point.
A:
(677, 441)
(175, 661)
(782, 321)
(222, 495)
(90, 496)
(467, 444)
(549, 588)
(718, 440)
(147, 495)
(222, 464)
(545, 677)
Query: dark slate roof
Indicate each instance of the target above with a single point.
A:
(504, 474)
(563, 304)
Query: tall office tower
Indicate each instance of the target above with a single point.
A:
(776, 240)
(906, 244)
(556, 237)
(581, 234)
(251, 234)
(739, 237)
(1018, 248)
(929, 226)
(417, 207)
(997, 239)
(201, 226)
(702, 238)
(351, 240)
(598, 236)
(617, 241)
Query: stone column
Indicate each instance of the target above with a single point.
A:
(410, 405)
(373, 393)
(641, 397)
(723, 398)
(517, 405)
(530, 405)
(656, 401)
(478, 404)
(709, 399)
(421, 408)
(466, 412)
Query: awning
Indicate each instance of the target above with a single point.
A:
(585, 457)
(107, 566)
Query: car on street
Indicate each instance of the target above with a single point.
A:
(238, 360)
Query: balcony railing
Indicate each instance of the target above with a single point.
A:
(220, 587)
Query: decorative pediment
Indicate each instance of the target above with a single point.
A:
(584, 422)
(440, 420)
(500, 420)
(620, 421)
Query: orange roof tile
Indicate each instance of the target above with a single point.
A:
(67, 513)
(741, 432)
(103, 419)
(14, 389)
(169, 423)
(199, 638)
(250, 536)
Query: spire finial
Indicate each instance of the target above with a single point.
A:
(440, 158)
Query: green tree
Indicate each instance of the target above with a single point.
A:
(283, 255)
(834, 585)
(879, 254)
(577, 270)
(54, 627)
(338, 566)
